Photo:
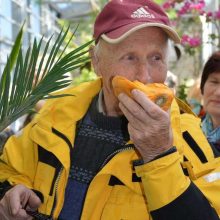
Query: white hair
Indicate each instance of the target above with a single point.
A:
(97, 48)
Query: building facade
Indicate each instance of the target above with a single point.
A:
(40, 20)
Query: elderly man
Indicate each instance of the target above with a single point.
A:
(75, 160)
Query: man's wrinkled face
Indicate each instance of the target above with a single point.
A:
(142, 56)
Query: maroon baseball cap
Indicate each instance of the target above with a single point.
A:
(120, 18)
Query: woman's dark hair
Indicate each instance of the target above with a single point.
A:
(212, 65)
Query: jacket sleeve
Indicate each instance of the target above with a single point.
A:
(18, 161)
(170, 194)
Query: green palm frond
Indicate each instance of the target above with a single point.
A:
(12, 57)
(36, 75)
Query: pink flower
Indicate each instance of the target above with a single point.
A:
(185, 40)
(217, 15)
(168, 4)
(192, 5)
(173, 23)
(184, 9)
(190, 41)
(194, 41)
(198, 6)
(209, 14)
(202, 12)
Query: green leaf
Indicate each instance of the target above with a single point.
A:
(38, 73)
(13, 56)
(172, 14)
(160, 2)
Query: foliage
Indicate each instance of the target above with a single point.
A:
(86, 75)
(182, 91)
(214, 18)
(186, 16)
(191, 43)
(15, 50)
(35, 77)
(189, 18)
(70, 35)
(85, 26)
(85, 29)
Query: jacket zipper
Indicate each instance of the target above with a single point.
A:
(56, 189)
(62, 136)
(40, 216)
(110, 156)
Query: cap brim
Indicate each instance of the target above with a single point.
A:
(121, 33)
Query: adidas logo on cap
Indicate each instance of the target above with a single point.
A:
(142, 13)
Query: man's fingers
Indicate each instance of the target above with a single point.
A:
(22, 215)
(133, 119)
(12, 202)
(4, 209)
(15, 201)
(152, 109)
(7, 214)
(141, 102)
(132, 109)
(33, 201)
(17, 198)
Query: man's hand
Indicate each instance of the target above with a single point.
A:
(149, 126)
(16, 201)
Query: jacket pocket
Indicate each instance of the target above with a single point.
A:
(42, 182)
(124, 204)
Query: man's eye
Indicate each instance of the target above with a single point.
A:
(130, 57)
(156, 58)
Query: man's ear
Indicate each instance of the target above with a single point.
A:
(94, 59)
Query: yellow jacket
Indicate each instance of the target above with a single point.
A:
(39, 157)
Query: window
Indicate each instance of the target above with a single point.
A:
(5, 20)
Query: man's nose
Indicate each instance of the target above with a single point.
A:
(144, 74)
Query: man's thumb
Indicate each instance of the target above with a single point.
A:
(33, 201)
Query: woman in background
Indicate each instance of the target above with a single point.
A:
(210, 89)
